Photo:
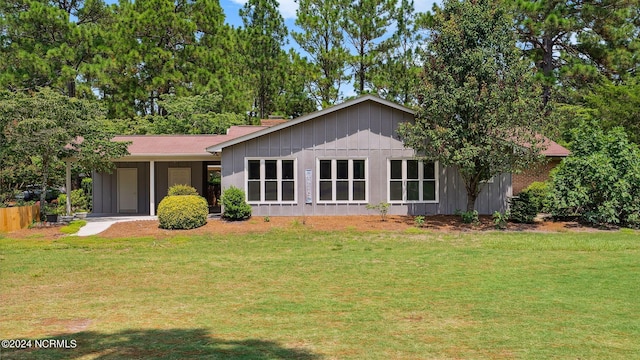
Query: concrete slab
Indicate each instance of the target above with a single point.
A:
(96, 225)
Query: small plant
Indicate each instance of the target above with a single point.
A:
(419, 220)
(267, 219)
(234, 205)
(500, 219)
(182, 190)
(382, 208)
(523, 208)
(470, 217)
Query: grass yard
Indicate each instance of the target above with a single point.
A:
(299, 294)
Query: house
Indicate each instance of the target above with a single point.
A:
(330, 162)
(554, 154)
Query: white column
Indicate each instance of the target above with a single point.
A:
(152, 188)
(68, 186)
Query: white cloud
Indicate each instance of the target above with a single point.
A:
(287, 7)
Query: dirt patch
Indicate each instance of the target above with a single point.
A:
(445, 223)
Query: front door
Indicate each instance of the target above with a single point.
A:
(127, 190)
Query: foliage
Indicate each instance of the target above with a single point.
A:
(87, 185)
(182, 212)
(468, 217)
(500, 219)
(478, 111)
(419, 220)
(382, 208)
(540, 195)
(182, 190)
(73, 227)
(266, 219)
(51, 127)
(600, 180)
(523, 208)
(234, 206)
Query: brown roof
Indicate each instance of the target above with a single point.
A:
(272, 122)
(555, 150)
(181, 145)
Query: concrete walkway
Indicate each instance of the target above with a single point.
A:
(96, 225)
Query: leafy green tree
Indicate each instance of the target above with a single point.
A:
(477, 111)
(600, 180)
(49, 126)
(199, 114)
(323, 39)
(365, 23)
(265, 35)
(294, 100)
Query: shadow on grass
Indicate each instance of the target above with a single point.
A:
(153, 344)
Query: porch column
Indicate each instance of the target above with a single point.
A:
(68, 186)
(152, 188)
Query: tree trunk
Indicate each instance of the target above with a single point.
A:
(471, 200)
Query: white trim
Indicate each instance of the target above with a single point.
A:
(317, 114)
(420, 180)
(279, 180)
(334, 179)
(152, 188)
(167, 157)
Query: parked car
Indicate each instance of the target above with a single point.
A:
(32, 193)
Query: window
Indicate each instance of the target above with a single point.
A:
(271, 180)
(179, 176)
(412, 181)
(342, 180)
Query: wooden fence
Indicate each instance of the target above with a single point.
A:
(16, 218)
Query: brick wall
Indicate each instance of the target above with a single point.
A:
(538, 173)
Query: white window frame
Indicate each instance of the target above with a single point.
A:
(350, 179)
(420, 179)
(278, 179)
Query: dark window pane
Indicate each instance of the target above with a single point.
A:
(429, 190)
(396, 169)
(429, 170)
(253, 190)
(413, 189)
(287, 169)
(358, 169)
(287, 191)
(254, 169)
(325, 191)
(343, 169)
(342, 190)
(412, 169)
(359, 190)
(395, 190)
(271, 191)
(271, 169)
(325, 169)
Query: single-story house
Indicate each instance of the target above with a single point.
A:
(330, 162)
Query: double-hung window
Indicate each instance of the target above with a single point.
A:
(412, 181)
(342, 180)
(271, 180)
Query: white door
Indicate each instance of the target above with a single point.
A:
(127, 190)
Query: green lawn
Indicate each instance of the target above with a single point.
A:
(310, 295)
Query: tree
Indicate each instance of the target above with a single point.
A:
(477, 112)
(365, 22)
(396, 74)
(322, 38)
(265, 34)
(49, 126)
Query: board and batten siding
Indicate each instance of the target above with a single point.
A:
(364, 130)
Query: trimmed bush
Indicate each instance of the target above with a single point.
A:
(234, 205)
(182, 212)
(522, 208)
(540, 194)
(182, 190)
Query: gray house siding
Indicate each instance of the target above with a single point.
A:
(366, 130)
(105, 185)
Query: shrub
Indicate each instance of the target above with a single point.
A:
(419, 220)
(500, 219)
(234, 205)
(468, 217)
(182, 190)
(600, 180)
(522, 209)
(382, 208)
(540, 195)
(182, 212)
